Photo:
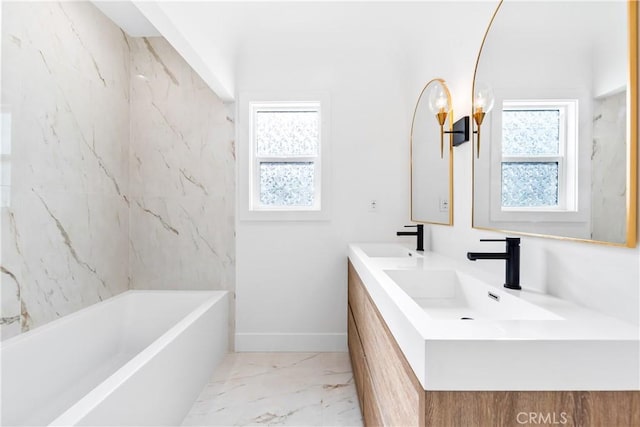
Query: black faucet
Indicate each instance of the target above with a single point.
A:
(419, 233)
(512, 257)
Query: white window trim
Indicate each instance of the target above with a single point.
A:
(567, 159)
(249, 208)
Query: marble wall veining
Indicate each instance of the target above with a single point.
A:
(182, 175)
(65, 99)
(608, 179)
(117, 166)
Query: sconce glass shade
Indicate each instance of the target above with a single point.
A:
(483, 98)
(439, 104)
(438, 98)
(483, 101)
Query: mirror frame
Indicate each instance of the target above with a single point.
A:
(450, 121)
(632, 138)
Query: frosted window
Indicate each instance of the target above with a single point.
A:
(529, 184)
(530, 132)
(287, 183)
(287, 133)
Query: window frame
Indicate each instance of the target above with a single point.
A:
(565, 158)
(568, 208)
(248, 173)
(257, 160)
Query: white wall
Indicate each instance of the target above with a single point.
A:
(291, 276)
(609, 65)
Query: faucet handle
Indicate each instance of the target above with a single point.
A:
(508, 239)
(414, 225)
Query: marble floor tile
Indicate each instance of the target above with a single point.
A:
(279, 389)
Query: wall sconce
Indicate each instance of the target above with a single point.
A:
(440, 105)
(483, 101)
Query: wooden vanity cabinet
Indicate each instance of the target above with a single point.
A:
(391, 395)
(389, 391)
(357, 358)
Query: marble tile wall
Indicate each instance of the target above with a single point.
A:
(608, 180)
(182, 175)
(65, 213)
(117, 166)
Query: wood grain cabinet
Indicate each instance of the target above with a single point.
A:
(391, 395)
(389, 391)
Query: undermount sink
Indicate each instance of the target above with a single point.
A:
(452, 295)
(385, 250)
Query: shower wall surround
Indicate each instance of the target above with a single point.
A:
(608, 179)
(117, 166)
(182, 175)
(65, 94)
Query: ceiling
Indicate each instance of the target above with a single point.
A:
(212, 35)
(128, 17)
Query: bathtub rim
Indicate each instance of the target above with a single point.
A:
(59, 321)
(69, 317)
(75, 413)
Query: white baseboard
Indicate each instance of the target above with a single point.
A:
(274, 342)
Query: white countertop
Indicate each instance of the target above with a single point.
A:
(583, 350)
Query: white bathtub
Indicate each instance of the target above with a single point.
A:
(140, 358)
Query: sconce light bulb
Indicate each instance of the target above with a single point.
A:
(438, 98)
(439, 105)
(483, 99)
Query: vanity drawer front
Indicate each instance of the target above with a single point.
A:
(393, 382)
(371, 411)
(357, 295)
(357, 358)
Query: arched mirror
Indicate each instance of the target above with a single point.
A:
(557, 154)
(432, 156)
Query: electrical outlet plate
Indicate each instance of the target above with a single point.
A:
(444, 205)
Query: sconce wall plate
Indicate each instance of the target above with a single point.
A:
(461, 131)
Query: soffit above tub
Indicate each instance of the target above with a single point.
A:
(126, 16)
